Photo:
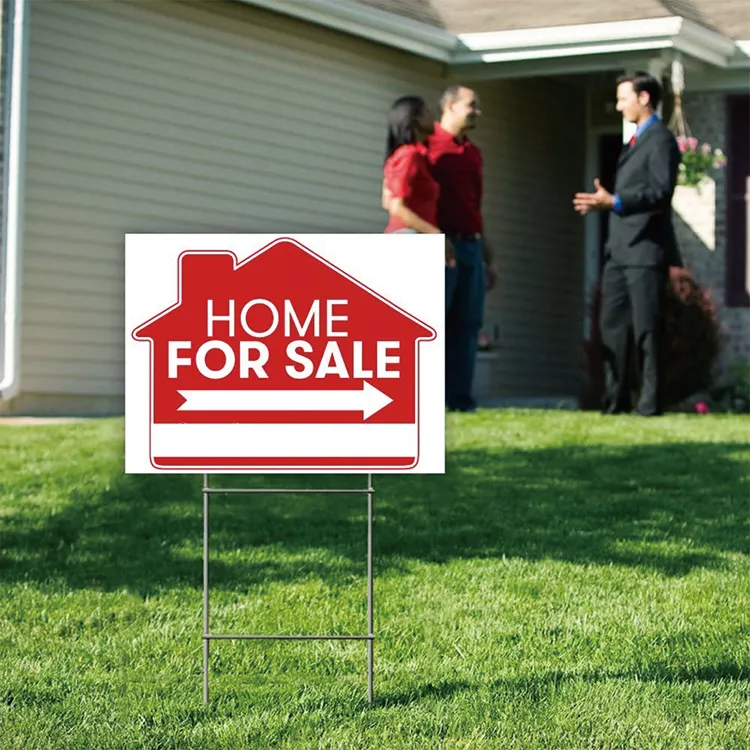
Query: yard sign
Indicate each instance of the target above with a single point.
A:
(257, 353)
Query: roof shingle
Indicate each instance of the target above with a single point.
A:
(730, 17)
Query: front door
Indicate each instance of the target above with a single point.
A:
(610, 146)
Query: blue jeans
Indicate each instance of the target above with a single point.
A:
(464, 316)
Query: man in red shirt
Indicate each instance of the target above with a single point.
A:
(457, 166)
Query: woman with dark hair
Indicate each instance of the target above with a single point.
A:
(410, 194)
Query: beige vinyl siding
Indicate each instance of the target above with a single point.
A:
(167, 116)
(533, 139)
(197, 116)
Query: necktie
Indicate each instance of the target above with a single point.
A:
(631, 142)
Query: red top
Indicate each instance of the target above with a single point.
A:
(407, 175)
(456, 164)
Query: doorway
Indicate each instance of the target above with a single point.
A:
(609, 148)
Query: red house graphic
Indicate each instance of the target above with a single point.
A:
(280, 361)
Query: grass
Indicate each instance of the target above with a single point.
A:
(572, 582)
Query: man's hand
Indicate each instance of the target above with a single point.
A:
(601, 200)
(450, 254)
(490, 269)
(490, 275)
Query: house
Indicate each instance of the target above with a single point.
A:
(268, 116)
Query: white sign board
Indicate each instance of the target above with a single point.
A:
(264, 354)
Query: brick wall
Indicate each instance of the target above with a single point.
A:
(700, 222)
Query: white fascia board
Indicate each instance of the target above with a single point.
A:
(673, 32)
(369, 23)
(567, 36)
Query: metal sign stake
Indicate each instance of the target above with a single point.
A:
(370, 637)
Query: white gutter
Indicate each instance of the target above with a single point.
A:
(14, 147)
(377, 25)
(673, 32)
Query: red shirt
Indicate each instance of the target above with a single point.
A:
(456, 164)
(407, 176)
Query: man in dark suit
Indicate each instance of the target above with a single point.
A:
(640, 247)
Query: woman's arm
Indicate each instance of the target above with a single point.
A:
(385, 198)
(400, 210)
(408, 217)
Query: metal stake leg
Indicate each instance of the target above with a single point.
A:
(206, 640)
(370, 637)
(370, 593)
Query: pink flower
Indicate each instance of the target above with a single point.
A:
(702, 408)
(706, 148)
(682, 143)
(692, 143)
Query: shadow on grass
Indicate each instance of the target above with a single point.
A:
(536, 688)
(669, 508)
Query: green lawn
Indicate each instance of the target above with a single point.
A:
(572, 582)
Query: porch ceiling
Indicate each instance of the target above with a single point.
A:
(570, 68)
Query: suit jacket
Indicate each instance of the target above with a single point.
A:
(643, 234)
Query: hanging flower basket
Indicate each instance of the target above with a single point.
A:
(698, 159)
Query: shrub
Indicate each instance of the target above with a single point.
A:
(733, 395)
(691, 342)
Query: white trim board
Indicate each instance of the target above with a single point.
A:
(363, 21)
(672, 32)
